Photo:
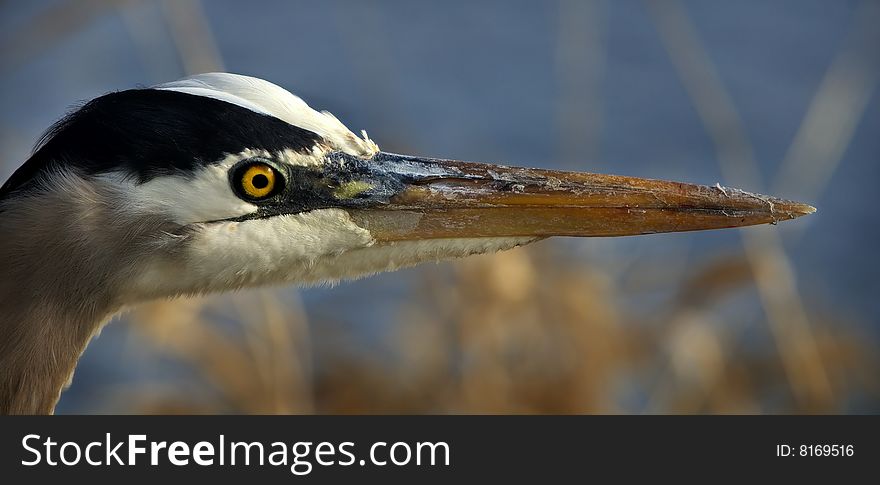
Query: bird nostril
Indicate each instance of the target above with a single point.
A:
(260, 181)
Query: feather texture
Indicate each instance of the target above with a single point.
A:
(268, 98)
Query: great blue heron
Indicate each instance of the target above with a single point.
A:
(220, 181)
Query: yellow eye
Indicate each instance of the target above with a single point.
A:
(257, 181)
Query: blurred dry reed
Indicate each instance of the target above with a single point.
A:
(526, 331)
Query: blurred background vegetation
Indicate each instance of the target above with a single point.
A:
(776, 97)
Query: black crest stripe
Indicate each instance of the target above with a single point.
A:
(148, 132)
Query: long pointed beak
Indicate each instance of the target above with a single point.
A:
(424, 198)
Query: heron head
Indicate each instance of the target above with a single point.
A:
(220, 181)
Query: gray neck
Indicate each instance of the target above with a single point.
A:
(67, 255)
(41, 339)
(51, 296)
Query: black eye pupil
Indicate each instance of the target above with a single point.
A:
(260, 181)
